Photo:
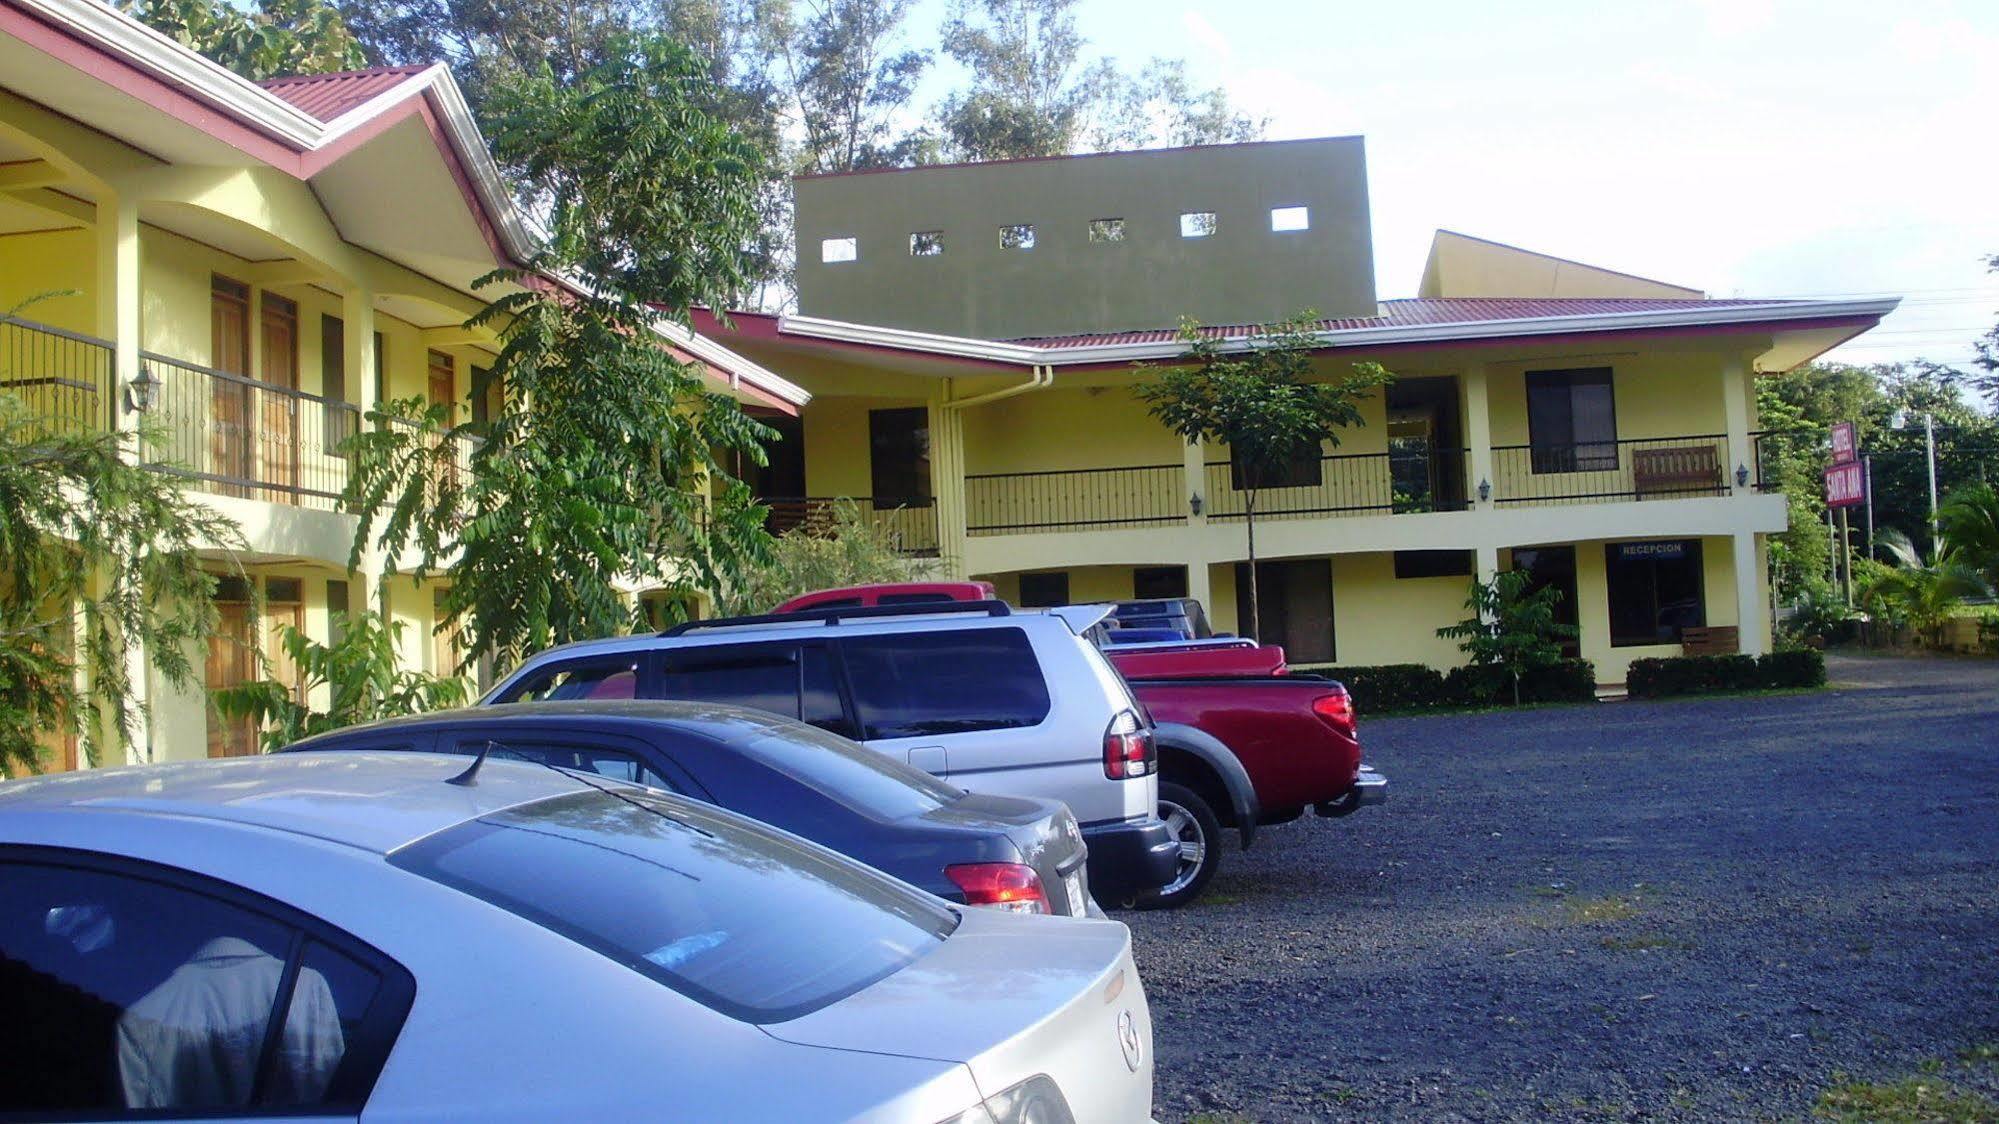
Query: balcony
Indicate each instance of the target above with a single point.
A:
(62, 377)
(913, 524)
(1085, 499)
(1411, 480)
(225, 434)
(1611, 471)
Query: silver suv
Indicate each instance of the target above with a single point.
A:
(997, 701)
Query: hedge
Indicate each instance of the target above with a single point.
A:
(1405, 687)
(1696, 675)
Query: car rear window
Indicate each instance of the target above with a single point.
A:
(916, 684)
(866, 781)
(742, 919)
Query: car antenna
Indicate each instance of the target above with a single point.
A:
(470, 776)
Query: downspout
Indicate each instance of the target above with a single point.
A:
(1041, 377)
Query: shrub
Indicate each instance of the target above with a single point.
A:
(1391, 687)
(1489, 685)
(1803, 667)
(1699, 675)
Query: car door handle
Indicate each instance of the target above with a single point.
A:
(929, 758)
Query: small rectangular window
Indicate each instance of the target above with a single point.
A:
(1290, 218)
(1433, 563)
(1106, 230)
(839, 249)
(926, 243)
(1197, 224)
(1017, 236)
(1041, 591)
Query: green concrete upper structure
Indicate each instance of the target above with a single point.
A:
(1226, 234)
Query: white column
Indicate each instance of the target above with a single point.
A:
(357, 325)
(1486, 564)
(947, 479)
(1194, 473)
(1736, 388)
(1478, 433)
(117, 284)
(1749, 604)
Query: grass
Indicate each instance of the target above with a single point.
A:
(1979, 1052)
(1599, 911)
(1913, 1100)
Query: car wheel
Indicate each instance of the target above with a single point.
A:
(1199, 833)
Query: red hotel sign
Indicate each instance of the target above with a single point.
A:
(1845, 450)
(1844, 485)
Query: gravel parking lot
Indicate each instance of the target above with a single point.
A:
(1700, 909)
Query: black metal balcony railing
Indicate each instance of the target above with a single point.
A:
(1403, 482)
(62, 377)
(236, 436)
(1640, 469)
(913, 523)
(1081, 499)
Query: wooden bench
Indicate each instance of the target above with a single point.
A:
(1722, 640)
(1679, 469)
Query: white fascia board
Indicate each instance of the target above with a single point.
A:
(99, 23)
(902, 339)
(268, 113)
(1345, 337)
(748, 370)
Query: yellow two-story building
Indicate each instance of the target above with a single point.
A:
(253, 266)
(970, 337)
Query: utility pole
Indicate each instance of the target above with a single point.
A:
(1867, 476)
(1930, 453)
(1846, 553)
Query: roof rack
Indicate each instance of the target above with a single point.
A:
(838, 616)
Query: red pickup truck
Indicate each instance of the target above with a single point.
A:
(1242, 741)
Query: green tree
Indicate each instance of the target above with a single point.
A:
(1913, 593)
(604, 465)
(1031, 94)
(845, 547)
(1987, 354)
(1261, 397)
(1512, 626)
(360, 671)
(100, 559)
(1970, 522)
(276, 38)
(850, 81)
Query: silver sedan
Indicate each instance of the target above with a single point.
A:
(396, 937)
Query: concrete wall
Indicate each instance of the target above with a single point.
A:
(1244, 272)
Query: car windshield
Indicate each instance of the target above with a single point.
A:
(738, 917)
(861, 778)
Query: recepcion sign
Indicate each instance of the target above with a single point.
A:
(1655, 551)
(1845, 486)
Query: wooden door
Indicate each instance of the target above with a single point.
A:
(232, 423)
(444, 392)
(279, 410)
(232, 660)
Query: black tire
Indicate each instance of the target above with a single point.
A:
(1196, 825)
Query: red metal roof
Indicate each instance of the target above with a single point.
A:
(1416, 311)
(327, 96)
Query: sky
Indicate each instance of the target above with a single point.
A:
(1742, 147)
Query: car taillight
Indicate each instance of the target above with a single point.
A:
(1337, 710)
(1013, 887)
(1128, 747)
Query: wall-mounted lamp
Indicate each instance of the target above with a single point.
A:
(1741, 475)
(1484, 490)
(143, 392)
(1194, 503)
